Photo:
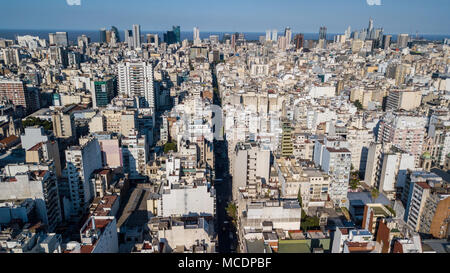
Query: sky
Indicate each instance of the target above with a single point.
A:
(306, 16)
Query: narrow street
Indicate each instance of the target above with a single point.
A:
(225, 229)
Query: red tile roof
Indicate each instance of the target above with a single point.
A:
(423, 185)
(9, 140)
(36, 147)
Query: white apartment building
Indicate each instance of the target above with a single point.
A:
(334, 157)
(251, 165)
(136, 80)
(134, 154)
(81, 162)
(404, 132)
(37, 182)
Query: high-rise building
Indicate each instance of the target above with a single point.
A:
(275, 35)
(136, 36)
(386, 41)
(214, 39)
(282, 44)
(287, 147)
(59, 39)
(196, 37)
(177, 32)
(153, 39)
(251, 164)
(81, 162)
(370, 32)
(16, 92)
(403, 100)
(136, 80)
(402, 40)
(268, 35)
(233, 41)
(299, 40)
(334, 157)
(170, 37)
(226, 37)
(37, 182)
(83, 41)
(404, 132)
(11, 56)
(105, 91)
(102, 35)
(129, 38)
(323, 33)
(108, 36)
(134, 154)
(288, 36)
(116, 33)
(422, 188)
(63, 122)
(74, 59)
(43, 152)
(58, 56)
(348, 32)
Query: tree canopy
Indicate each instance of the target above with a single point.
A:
(33, 121)
(170, 146)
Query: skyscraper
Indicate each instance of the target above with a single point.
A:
(370, 29)
(116, 32)
(348, 32)
(386, 41)
(136, 80)
(323, 33)
(282, 44)
(402, 40)
(59, 38)
(102, 35)
(176, 32)
(299, 40)
(233, 41)
(129, 38)
(196, 37)
(288, 35)
(274, 35)
(268, 38)
(136, 36)
(170, 37)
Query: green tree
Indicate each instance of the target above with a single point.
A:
(374, 193)
(354, 184)
(310, 223)
(358, 104)
(170, 146)
(232, 211)
(33, 121)
(299, 197)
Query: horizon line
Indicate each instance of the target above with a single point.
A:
(209, 31)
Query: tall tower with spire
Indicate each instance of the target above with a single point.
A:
(370, 29)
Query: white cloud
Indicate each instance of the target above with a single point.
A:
(73, 2)
(373, 2)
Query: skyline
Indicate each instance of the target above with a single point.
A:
(400, 16)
